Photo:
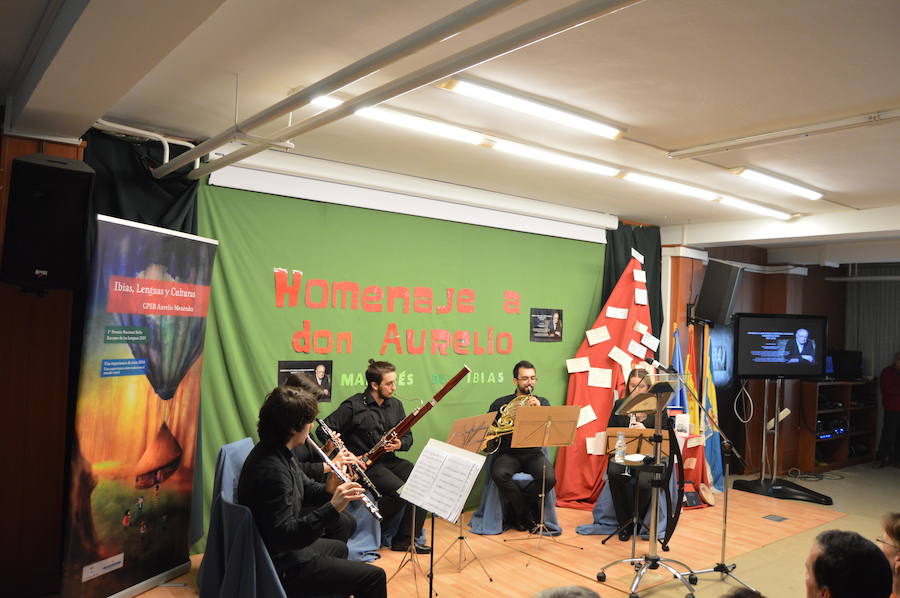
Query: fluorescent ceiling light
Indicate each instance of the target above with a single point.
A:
(667, 185)
(423, 125)
(512, 102)
(771, 181)
(752, 207)
(534, 153)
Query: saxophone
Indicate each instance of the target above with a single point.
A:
(504, 423)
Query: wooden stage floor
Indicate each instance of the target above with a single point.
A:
(522, 568)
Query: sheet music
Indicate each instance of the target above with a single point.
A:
(442, 478)
(597, 335)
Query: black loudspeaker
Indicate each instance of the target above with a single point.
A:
(716, 300)
(46, 222)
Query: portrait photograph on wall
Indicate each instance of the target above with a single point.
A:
(546, 325)
(319, 371)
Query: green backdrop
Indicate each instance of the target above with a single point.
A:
(248, 333)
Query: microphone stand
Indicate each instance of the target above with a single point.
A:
(727, 450)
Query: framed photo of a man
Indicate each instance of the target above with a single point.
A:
(546, 325)
(319, 372)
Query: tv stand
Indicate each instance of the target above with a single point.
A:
(774, 486)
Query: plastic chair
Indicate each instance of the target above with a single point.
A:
(488, 519)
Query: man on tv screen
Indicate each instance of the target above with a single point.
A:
(800, 348)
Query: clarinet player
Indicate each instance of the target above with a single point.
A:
(275, 490)
(362, 420)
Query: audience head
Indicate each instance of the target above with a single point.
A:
(742, 593)
(305, 383)
(845, 565)
(285, 411)
(567, 592)
(889, 543)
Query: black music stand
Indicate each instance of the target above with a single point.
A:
(467, 433)
(653, 401)
(544, 427)
(635, 438)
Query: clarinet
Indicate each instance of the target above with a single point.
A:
(378, 451)
(340, 474)
(339, 444)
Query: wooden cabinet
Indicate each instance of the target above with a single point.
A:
(846, 415)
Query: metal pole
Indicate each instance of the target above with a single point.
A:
(762, 450)
(537, 30)
(431, 34)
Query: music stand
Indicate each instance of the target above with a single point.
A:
(636, 440)
(544, 427)
(468, 433)
(653, 401)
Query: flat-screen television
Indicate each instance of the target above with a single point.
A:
(779, 346)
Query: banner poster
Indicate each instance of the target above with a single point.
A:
(136, 414)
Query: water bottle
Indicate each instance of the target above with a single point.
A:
(620, 449)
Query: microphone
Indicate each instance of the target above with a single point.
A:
(669, 370)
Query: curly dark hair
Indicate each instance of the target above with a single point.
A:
(285, 411)
(306, 383)
(376, 371)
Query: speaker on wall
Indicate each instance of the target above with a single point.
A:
(716, 300)
(46, 222)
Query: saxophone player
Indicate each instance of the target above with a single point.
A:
(521, 507)
(362, 420)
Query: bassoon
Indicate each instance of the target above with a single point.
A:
(378, 451)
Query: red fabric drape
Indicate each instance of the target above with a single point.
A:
(578, 474)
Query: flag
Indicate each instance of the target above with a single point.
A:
(712, 439)
(680, 398)
(618, 332)
(689, 368)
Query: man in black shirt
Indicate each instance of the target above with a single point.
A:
(274, 488)
(361, 421)
(521, 507)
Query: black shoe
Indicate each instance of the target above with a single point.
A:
(420, 548)
(625, 534)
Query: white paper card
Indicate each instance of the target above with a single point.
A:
(617, 313)
(586, 415)
(620, 357)
(640, 296)
(597, 335)
(442, 478)
(637, 349)
(637, 255)
(694, 441)
(690, 463)
(639, 275)
(578, 364)
(596, 444)
(641, 327)
(650, 341)
(600, 377)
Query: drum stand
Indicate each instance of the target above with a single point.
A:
(652, 560)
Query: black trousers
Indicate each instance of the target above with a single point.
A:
(522, 505)
(330, 573)
(622, 489)
(342, 529)
(888, 448)
(388, 474)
